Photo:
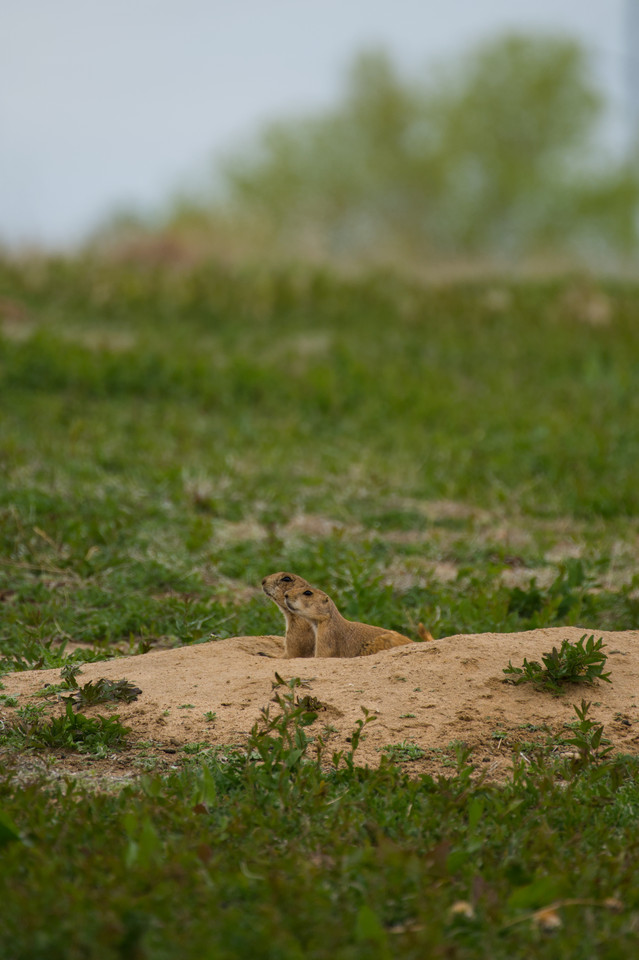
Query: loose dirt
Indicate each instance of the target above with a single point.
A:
(430, 694)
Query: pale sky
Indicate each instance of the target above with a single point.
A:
(112, 104)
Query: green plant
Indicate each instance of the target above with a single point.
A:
(351, 848)
(304, 176)
(589, 740)
(571, 590)
(313, 704)
(403, 752)
(90, 693)
(95, 445)
(580, 662)
(103, 691)
(280, 738)
(280, 741)
(69, 673)
(70, 731)
(31, 712)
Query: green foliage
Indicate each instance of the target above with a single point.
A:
(70, 731)
(132, 502)
(326, 860)
(90, 693)
(280, 741)
(146, 483)
(589, 740)
(8, 832)
(38, 654)
(31, 712)
(401, 752)
(572, 663)
(484, 158)
(570, 589)
(103, 691)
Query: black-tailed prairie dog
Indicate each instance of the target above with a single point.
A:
(300, 636)
(334, 635)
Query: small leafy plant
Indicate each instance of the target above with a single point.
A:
(31, 712)
(280, 740)
(103, 691)
(589, 740)
(403, 752)
(69, 673)
(71, 731)
(90, 693)
(581, 662)
(280, 744)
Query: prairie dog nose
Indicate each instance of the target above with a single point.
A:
(263, 581)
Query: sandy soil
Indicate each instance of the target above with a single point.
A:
(428, 693)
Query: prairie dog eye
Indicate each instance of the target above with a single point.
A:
(286, 580)
(308, 593)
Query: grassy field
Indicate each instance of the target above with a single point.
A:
(464, 456)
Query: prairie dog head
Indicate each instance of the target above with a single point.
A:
(276, 585)
(313, 604)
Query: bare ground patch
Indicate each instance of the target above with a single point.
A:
(432, 695)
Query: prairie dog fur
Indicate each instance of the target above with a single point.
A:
(300, 636)
(334, 635)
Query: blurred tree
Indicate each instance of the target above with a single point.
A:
(497, 157)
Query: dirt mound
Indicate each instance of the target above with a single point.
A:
(428, 694)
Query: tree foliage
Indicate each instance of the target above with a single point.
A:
(496, 155)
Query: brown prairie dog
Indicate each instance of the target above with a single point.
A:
(334, 635)
(300, 636)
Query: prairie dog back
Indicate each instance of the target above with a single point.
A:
(335, 636)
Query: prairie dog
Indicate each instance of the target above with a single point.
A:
(300, 636)
(334, 635)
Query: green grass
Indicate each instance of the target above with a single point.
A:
(160, 432)
(267, 852)
(70, 731)
(153, 421)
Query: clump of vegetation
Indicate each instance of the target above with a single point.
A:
(588, 737)
(90, 693)
(332, 858)
(280, 740)
(41, 654)
(131, 545)
(69, 674)
(121, 520)
(70, 731)
(580, 662)
(311, 703)
(486, 160)
(403, 752)
(103, 691)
